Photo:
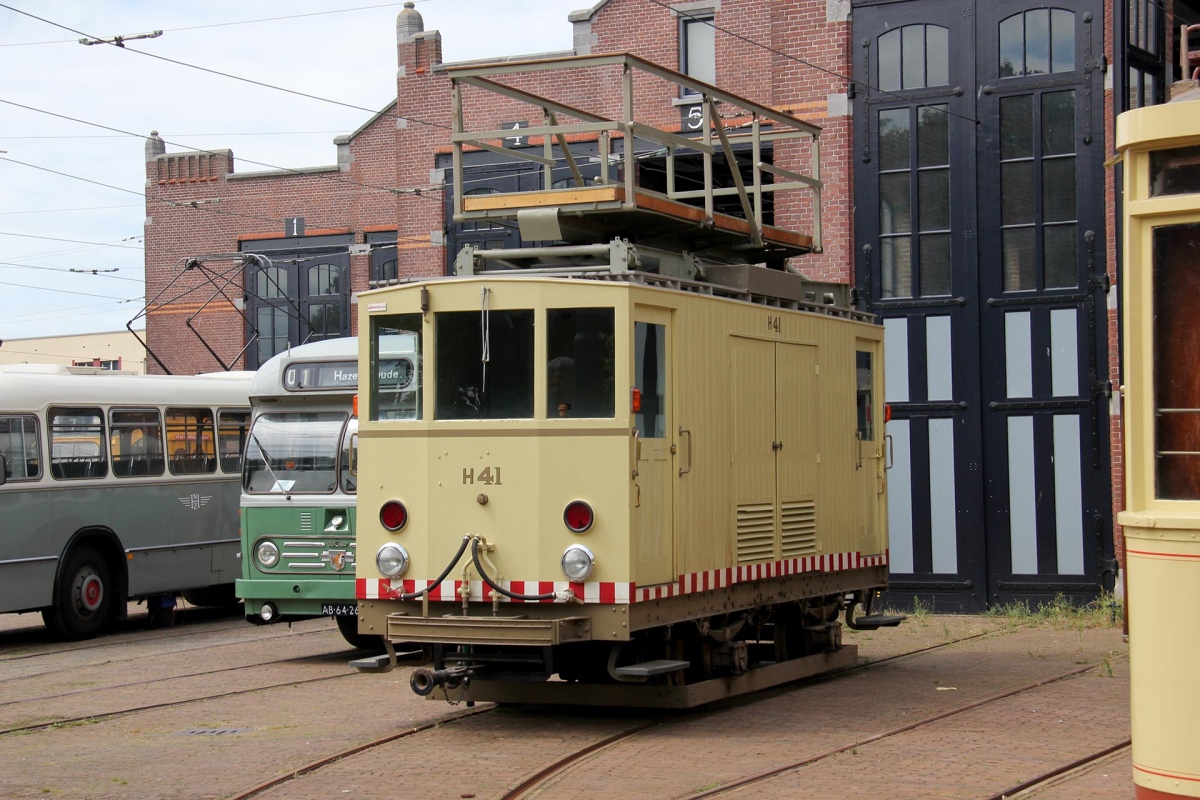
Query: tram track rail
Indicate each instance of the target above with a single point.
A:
(18, 654)
(1047, 778)
(541, 776)
(124, 712)
(814, 758)
(151, 681)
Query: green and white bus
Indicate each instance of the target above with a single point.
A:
(116, 488)
(299, 483)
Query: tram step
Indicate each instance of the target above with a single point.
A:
(875, 621)
(648, 668)
(372, 664)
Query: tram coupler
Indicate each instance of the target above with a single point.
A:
(424, 680)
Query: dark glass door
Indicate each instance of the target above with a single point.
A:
(916, 258)
(1043, 311)
(979, 237)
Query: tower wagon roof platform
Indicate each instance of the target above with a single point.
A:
(618, 202)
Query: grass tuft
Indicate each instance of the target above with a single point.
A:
(1104, 612)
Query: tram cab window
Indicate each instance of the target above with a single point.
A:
(865, 396)
(650, 380)
(484, 364)
(231, 439)
(191, 446)
(77, 443)
(396, 367)
(20, 449)
(135, 439)
(1175, 296)
(1175, 171)
(580, 369)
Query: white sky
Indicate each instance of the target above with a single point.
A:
(348, 56)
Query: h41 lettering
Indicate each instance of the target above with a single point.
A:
(488, 475)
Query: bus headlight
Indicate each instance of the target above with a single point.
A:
(578, 563)
(392, 560)
(267, 554)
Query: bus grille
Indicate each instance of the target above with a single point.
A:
(755, 532)
(799, 528)
(306, 521)
(312, 556)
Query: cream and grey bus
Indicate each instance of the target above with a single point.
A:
(117, 488)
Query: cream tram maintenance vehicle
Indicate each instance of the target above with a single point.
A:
(656, 475)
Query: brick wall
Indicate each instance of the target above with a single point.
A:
(201, 205)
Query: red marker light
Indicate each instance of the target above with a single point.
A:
(393, 515)
(635, 400)
(887, 412)
(578, 516)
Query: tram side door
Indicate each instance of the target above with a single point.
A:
(775, 435)
(797, 438)
(653, 549)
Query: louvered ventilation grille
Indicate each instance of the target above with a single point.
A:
(755, 533)
(799, 528)
(306, 521)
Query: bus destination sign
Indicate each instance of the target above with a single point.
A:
(393, 373)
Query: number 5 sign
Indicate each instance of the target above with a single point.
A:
(692, 117)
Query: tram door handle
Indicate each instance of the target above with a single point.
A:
(776, 446)
(683, 431)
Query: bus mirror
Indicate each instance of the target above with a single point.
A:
(3, 470)
(354, 450)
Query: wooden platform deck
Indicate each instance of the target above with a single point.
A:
(652, 213)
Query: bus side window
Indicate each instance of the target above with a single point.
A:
(20, 449)
(231, 439)
(135, 439)
(77, 443)
(190, 441)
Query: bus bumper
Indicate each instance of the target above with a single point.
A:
(298, 599)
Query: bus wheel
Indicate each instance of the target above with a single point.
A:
(348, 626)
(82, 598)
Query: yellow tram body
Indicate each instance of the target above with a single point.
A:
(1161, 149)
(644, 456)
(760, 484)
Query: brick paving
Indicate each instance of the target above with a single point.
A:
(150, 754)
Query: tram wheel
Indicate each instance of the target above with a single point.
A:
(82, 598)
(348, 627)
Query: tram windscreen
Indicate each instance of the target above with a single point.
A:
(396, 367)
(580, 368)
(293, 453)
(484, 364)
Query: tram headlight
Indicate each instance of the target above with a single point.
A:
(267, 554)
(578, 563)
(392, 560)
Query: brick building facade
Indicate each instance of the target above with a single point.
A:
(980, 453)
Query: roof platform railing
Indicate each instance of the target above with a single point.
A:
(604, 207)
